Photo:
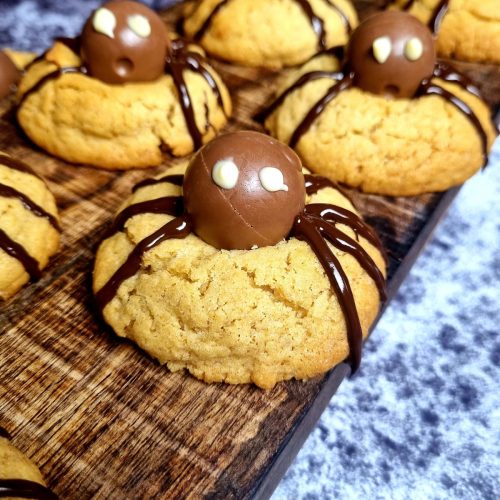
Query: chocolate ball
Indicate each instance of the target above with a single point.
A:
(124, 42)
(9, 75)
(391, 53)
(243, 190)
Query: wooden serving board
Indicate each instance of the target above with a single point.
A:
(102, 419)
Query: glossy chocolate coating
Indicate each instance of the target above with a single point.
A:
(119, 54)
(9, 75)
(398, 76)
(247, 215)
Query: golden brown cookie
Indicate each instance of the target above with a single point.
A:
(466, 29)
(237, 316)
(19, 476)
(84, 120)
(403, 146)
(29, 225)
(270, 33)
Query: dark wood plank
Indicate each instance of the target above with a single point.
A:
(105, 421)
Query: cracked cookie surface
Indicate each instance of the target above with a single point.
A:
(236, 316)
(270, 33)
(28, 223)
(83, 120)
(470, 29)
(379, 145)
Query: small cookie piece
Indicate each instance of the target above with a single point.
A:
(373, 125)
(29, 225)
(292, 309)
(19, 476)
(269, 33)
(467, 30)
(83, 119)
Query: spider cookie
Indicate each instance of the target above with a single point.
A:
(393, 120)
(29, 225)
(121, 93)
(19, 476)
(465, 29)
(241, 269)
(270, 33)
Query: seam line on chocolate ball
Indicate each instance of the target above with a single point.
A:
(227, 201)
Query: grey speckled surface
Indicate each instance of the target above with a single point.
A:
(422, 419)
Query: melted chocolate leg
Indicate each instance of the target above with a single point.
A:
(306, 229)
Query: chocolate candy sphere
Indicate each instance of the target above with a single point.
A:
(124, 42)
(9, 75)
(391, 53)
(243, 190)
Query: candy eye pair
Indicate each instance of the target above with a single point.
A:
(225, 174)
(104, 22)
(382, 48)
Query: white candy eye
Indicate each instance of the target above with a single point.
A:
(272, 180)
(414, 49)
(104, 21)
(139, 25)
(382, 48)
(225, 173)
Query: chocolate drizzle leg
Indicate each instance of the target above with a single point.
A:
(305, 229)
(180, 227)
(429, 88)
(317, 23)
(21, 488)
(4, 433)
(177, 180)
(10, 192)
(14, 164)
(345, 20)
(17, 251)
(317, 224)
(170, 205)
(319, 107)
(437, 17)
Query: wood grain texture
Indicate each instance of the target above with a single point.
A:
(105, 421)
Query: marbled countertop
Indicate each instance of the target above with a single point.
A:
(422, 418)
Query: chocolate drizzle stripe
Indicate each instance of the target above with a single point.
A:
(53, 75)
(345, 20)
(315, 183)
(195, 63)
(176, 70)
(21, 488)
(303, 80)
(346, 244)
(170, 205)
(15, 164)
(317, 23)
(438, 15)
(177, 180)
(4, 433)
(408, 5)
(318, 108)
(17, 251)
(305, 229)
(10, 192)
(449, 74)
(179, 227)
(340, 215)
(208, 21)
(429, 88)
